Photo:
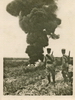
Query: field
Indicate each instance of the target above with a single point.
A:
(20, 79)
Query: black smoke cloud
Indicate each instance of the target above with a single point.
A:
(37, 18)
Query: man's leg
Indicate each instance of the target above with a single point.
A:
(64, 75)
(49, 79)
(48, 73)
(53, 76)
(70, 75)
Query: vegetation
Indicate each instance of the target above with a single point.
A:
(30, 80)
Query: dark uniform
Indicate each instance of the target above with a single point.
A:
(64, 65)
(50, 70)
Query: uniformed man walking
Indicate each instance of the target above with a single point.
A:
(50, 70)
(64, 65)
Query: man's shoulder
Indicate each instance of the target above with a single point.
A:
(48, 55)
(64, 56)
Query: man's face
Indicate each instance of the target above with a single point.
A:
(48, 51)
(63, 52)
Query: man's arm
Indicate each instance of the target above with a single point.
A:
(50, 57)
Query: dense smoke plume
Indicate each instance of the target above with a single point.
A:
(38, 19)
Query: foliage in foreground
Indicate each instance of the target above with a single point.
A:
(22, 80)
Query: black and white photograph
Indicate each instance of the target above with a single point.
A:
(38, 47)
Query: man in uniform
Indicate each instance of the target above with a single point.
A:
(50, 70)
(64, 65)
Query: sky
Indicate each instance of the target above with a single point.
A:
(14, 39)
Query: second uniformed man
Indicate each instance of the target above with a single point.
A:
(64, 65)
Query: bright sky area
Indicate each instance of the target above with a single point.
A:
(14, 39)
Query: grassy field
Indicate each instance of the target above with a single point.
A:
(20, 79)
